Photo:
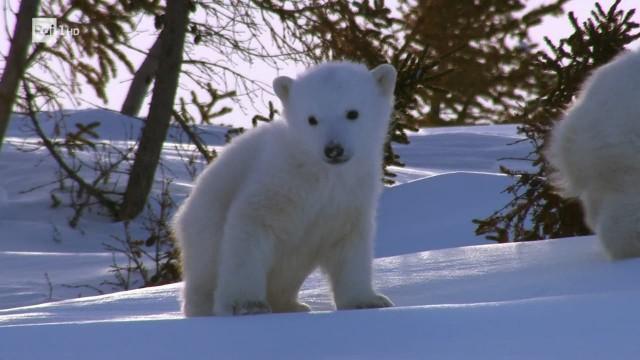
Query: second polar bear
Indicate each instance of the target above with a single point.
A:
(595, 151)
(291, 196)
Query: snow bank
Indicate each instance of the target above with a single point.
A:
(467, 149)
(436, 212)
(421, 213)
(590, 327)
(467, 275)
(113, 126)
(551, 299)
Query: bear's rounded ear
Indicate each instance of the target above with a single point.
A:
(282, 87)
(385, 76)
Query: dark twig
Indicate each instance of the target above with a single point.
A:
(111, 205)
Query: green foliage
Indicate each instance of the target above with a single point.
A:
(78, 139)
(93, 55)
(207, 111)
(494, 62)
(255, 120)
(269, 118)
(536, 211)
(367, 32)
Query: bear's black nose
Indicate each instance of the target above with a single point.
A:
(333, 151)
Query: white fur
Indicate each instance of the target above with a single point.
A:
(595, 151)
(271, 209)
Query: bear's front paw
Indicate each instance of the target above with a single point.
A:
(250, 307)
(375, 302)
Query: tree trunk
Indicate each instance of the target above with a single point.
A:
(141, 81)
(16, 61)
(157, 124)
(434, 115)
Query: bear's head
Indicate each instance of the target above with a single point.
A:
(340, 110)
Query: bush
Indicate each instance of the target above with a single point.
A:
(536, 211)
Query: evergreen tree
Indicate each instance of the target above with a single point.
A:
(367, 32)
(536, 211)
(92, 56)
(493, 57)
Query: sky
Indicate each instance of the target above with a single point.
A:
(557, 27)
(554, 28)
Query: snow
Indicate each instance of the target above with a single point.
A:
(552, 299)
(426, 214)
(457, 295)
(548, 328)
(113, 125)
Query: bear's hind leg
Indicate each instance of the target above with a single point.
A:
(619, 225)
(284, 283)
(197, 300)
(286, 300)
(198, 271)
(199, 284)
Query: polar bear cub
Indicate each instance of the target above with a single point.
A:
(291, 196)
(595, 151)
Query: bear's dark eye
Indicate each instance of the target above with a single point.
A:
(313, 121)
(352, 114)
